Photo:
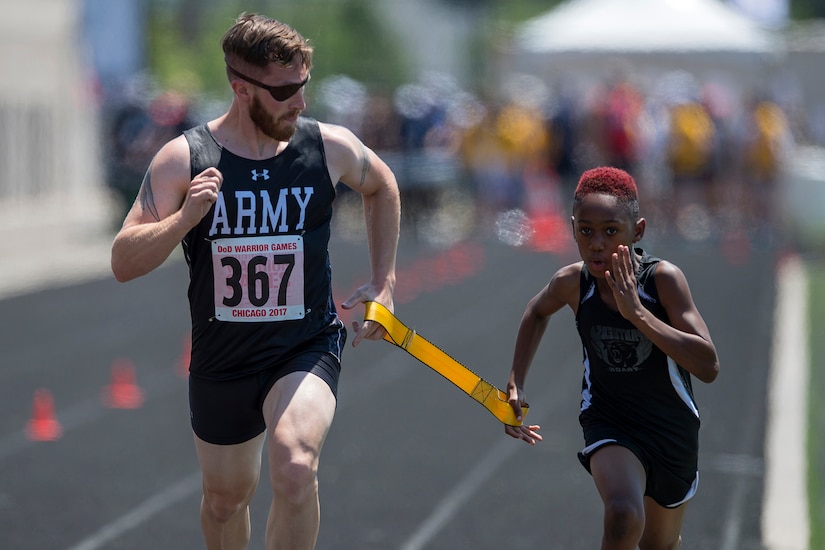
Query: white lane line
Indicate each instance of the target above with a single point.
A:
(382, 372)
(470, 484)
(460, 494)
(785, 503)
(181, 490)
(734, 515)
(737, 497)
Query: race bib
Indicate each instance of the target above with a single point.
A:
(259, 279)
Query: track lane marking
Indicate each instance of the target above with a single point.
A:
(785, 501)
(183, 489)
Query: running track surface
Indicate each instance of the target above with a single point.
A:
(410, 462)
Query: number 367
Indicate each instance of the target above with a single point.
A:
(257, 279)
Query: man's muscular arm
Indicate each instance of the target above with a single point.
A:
(168, 206)
(358, 167)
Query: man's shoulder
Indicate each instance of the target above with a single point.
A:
(308, 130)
(342, 146)
(330, 131)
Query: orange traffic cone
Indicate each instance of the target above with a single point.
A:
(43, 425)
(123, 392)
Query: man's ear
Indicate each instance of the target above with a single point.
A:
(639, 230)
(240, 88)
(573, 226)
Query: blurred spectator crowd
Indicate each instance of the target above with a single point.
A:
(707, 158)
(137, 121)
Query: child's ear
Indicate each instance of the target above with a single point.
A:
(639, 230)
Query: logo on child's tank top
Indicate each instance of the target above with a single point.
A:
(622, 350)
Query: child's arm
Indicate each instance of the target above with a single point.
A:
(560, 291)
(687, 339)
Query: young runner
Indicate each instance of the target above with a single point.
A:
(643, 339)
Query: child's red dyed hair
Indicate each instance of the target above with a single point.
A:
(607, 180)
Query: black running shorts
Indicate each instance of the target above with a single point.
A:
(228, 412)
(672, 478)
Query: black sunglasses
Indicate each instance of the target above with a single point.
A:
(278, 93)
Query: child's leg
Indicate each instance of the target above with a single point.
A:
(620, 480)
(662, 527)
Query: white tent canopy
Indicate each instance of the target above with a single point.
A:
(596, 35)
(643, 25)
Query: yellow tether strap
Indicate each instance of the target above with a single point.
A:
(469, 382)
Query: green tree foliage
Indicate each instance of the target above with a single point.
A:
(816, 413)
(506, 10)
(184, 41)
(183, 46)
(807, 9)
(349, 38)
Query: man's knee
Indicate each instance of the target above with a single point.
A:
(223, 504)
(294, 480)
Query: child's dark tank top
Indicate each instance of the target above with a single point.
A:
(627, 379)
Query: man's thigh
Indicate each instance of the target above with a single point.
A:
(230, 469)
(298, 410)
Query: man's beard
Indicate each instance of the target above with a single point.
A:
(267, 124)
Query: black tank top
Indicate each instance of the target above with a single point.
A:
(626, 378)
(260, 276)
